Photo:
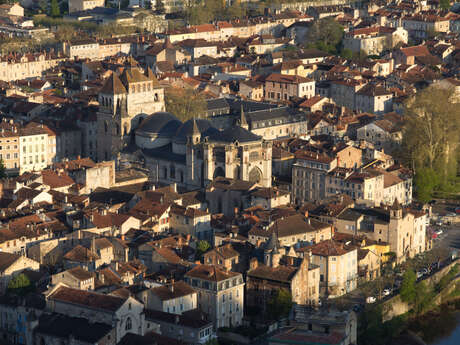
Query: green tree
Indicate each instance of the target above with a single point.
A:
(185, 103)
(19, 285)
(325, 34)
(201, 248)
(408, 291)
(431, 132)
(280, 304)
(55, 10)
(347, 53)
(426, 180)
(2, 169)
(444, 4)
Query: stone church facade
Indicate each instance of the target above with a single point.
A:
(193, 153)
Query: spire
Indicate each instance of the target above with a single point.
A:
(243, 122)
(195, 130)
(396, 205)
(273, 243)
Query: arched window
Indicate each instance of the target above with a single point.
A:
(155, 97)
(129, 324)
(106, 127)
(172, 171)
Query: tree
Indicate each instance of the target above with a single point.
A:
(430, 135)
(280, 304)
(2, 169)
(185, 103)
(444, 4)
(426, 180)
(325, 34)
(43, 4)
(347, 53)
(19, 285)
(408, 291)
(201, 248)
(159, 7)
(55, 10)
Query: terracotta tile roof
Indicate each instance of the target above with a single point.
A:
(285, 78)
(108, 220)
(169, 255)
(173, 290)
(226, 251)
(415, 51)
(210, 273)
(55, 180)
(282, 273)
(113, 85)
(87, 299)
(330, 248)
(81, 254)
(80, 273)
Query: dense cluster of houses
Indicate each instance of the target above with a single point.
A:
(122, 223)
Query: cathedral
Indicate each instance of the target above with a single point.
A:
(133, 126)
(193, 153)
(124, 101)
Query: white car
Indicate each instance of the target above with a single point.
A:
(387, 292)
(370, 299)
(419, 275)
(438, 232)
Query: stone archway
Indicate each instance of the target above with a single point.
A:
(219, 171)
(255, 175)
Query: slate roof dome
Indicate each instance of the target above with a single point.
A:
(159, 124)
(204, 127)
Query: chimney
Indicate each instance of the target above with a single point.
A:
(306, 214)
(122, 237)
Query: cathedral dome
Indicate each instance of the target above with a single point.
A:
(184, 131)
(157, 130)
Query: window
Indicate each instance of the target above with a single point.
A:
(128, 325)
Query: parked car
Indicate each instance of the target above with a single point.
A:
(387, 292)
(371, 299)
(425, 271)
(438, 232)
(419, 274)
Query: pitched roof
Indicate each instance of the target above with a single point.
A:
(81, 254)
(210, 273)
(330, 248)
(173, 290)
(7, 259)
(89, 299)
(282, 273)
(113, 85)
